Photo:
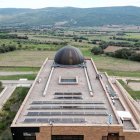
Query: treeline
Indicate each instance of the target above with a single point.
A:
(12, 36)
(120, 44)
(125, 54)
(100, 49)
(79, 39)
(37, 42)
(7, 48)
(126, 39)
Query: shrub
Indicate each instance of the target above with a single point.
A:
(97, 50)
(123, 53)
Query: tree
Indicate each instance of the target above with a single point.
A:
(123, 53)
(97, 50)
(1, 84)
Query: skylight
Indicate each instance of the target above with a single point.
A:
(68, 80)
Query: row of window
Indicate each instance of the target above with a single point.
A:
(77, 137)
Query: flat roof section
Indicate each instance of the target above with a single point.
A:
(65, 103)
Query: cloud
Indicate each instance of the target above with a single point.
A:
(60, 3)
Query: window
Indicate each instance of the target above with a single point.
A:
(121, 138)
(29, 136)
(68, 80)
(117, 138)
(67, 137)
(104, 137)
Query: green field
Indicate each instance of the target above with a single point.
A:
(9, 111)
(17, 77)
(31, 53)
(134, 94)
(19, 69)
(32, 60)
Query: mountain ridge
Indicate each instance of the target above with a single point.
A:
(71, 16)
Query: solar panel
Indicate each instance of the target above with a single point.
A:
(101, 113)
(78, 113)
(30, 120)
(55, 113)
(55, 120)
(34, 108)
(44, 113)
(37, 102)
(67, 107)
(32, 113)
(42, 120)
(67, 93)
(68, 97)
(77, 120)
(67, 102)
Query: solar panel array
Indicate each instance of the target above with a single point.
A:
(68, 97)
(64, 111)
(66, 107)
(55, 120)
(67, 93)
(67, 113)
(67, 102)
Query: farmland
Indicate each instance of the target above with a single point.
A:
(33, 46)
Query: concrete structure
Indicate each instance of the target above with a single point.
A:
(73, 101)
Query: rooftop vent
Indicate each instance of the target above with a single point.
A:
(68, 80)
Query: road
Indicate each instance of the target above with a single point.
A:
(22, 82)
(15, 73)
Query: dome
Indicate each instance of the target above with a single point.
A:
(69, 55)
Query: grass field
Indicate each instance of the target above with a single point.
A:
(17, 77)
(12, 69)
(134, 94)
(9, 111)
(113, 64)
(121, 73)
(25, 58)
(31, 61)
(34, 54)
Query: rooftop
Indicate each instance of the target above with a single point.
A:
(70, 90)
(49, 100)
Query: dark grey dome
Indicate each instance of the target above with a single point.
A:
(69, 55)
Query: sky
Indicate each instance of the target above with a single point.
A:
(61, 3)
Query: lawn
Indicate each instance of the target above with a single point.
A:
(113, 64)
(24, 60)
(22, 69)
(121, 73)
(17, 77)
(134, 94)
(9, 111)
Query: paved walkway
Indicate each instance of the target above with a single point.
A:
(125, 78)
(16, 82)
(10, 86)
(15, 73)
(5, 94)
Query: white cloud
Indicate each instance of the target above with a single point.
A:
(60, 3)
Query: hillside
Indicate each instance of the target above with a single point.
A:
(70, 16)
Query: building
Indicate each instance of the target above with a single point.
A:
(71, 100)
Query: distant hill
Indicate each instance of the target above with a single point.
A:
(70, 16)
